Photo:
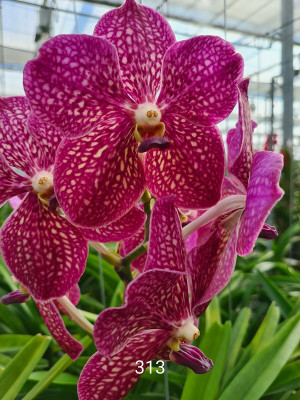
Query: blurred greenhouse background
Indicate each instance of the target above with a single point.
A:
(256, 314)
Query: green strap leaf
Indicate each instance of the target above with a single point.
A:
(275, 294)
(258, 374)
(239, 331)
(212, 314)
(20, 367)
(61, 365)
(215, 345)
(288, 379)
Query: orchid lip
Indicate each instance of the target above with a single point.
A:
(154, 143)
(193, 358)
(15, 297)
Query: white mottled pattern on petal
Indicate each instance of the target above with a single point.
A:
(124, 228)
(74, 82)
(112, 378)
(199, 79)
(141, 36)
(58, 330)
(115, 327)
(11, 184)
(211, 265)
(48, 139)
(99, 177)
(45, 253)
(166, 246)
(130, 244)
(192, 168)
(18, 147)
(165, 292)
(262, 194)
(232, 186)
(239, 140)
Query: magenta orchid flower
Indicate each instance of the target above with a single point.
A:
(252, 188)
(128, 89)
(158, 317)
(42, 249)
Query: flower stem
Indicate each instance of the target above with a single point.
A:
(146, 199)
(234, 201)
(75, 315)
(111, 258)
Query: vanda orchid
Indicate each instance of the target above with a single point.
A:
(131, 89)
(117, 141)
(42, 249)
(158, 317)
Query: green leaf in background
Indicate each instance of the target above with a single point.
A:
(61, 365)
(238, 333)
(11, 343)
(257, 375)
(212, 314)
(275, 294)
(214, 345)
(288, 379)
(266, 330)
(19, 368)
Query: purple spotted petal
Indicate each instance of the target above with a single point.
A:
(115, 327)
(164, 292)
(47, 137)
(232, 186)
(98, 178)
(191, 241)
(193, 167)
(166, 246)
(58, 330)
(268, 232)
(193, 358)
(239, 140)
(123, 228)
(130, 244)
(15, 297)
(112, 378)
(11, 184)
(199, 79)
(43, 250)
(141, 36)
(262, 194)
(209, 270)
(17, 146)
(74, 82)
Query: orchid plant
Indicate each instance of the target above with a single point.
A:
(117, 140)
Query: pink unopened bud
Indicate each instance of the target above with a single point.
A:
(15, 297)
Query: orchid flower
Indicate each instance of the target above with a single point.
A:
(127, 90)
(252, 188)
(158, 317)
(42, 249)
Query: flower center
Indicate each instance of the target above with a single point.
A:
(147, 114)
(42, 182)
(184, 334)
(148, 124)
